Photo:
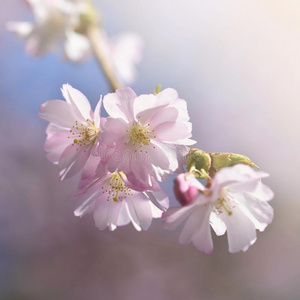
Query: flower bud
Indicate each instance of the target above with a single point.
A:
(185, 189)
(198, 159)
(221, 160)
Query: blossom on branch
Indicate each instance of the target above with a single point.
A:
(114, 201)
(54, 29)
(236, 202)
(72, 134)
(149, 134)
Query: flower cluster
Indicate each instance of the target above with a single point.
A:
(62, 25)
(122, 159)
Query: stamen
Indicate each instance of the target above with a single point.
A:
(84, 133)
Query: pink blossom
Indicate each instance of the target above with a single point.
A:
(114, 202)
(186, 188)
(236, 202)
(149, 134)
(72, 134)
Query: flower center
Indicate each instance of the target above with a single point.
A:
(116, 188)
(84, 134)
(224, 203)
(140, 135)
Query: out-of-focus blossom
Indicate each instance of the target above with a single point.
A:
(149, 134)
(54, 28)
(114, 202)
(186, 188)
(236, 202)
(72, 134)
(125, 53)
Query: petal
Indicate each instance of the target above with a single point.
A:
(217, 224)
(145, 102)
(159, 199)
(59, 112)
(139, 206)
(258, 211)
(97, 113)
(85, 201)
(263, 192)
(120, 104)
(80, 104)
(168, 114)
(21, 29)
(55, 145)
(72, 161)
(106, 213)
(167, 96)
(202, 239)
(171, 131)
(175, 216)
(241, 231)
(195, 223)
(77, 47)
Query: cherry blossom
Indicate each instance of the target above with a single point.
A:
(54, 28)
(114, 202)
(72, 134)
(149, 134)
(236, 202)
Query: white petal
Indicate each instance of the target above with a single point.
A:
(258, 211)
(97, 113)
(175, 216)
(77, 47)
(217, 224)
(194, 224)
(21, 29)
(241, 231)
(106, 213)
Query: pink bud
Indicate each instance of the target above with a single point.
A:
(186, 188)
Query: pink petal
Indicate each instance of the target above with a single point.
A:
(171, 131)
(168, 114)
(72, 161)
(120, 104)
(167, 96)
(106, 213)
(80, 104)
(145, 102)
(159, 199)
(59, 112)
(140, 209)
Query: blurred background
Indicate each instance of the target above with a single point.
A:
(237, 64)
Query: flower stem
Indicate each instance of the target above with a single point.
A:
(98, 42)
